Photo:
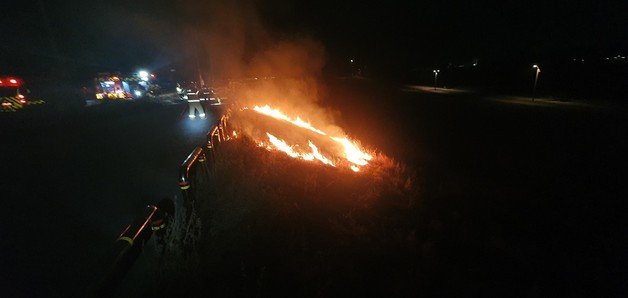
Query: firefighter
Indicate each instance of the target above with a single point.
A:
(194, 103)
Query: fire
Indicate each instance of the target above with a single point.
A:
(353, 153)
(281, 145)
(319, 156)
(348, 151)
(277, 114)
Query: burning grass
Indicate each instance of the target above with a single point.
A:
(273, 224)
(304, 141)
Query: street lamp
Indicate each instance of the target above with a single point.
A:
(436, 71)
(536, 79)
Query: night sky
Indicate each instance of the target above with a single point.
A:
(88, 36)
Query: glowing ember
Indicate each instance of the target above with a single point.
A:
(348, 150)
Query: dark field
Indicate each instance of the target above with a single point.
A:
(524, 198)
(489, 197)
(493, 197)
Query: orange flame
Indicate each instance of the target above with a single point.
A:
(351, 152)
(319, 156)
(277, 114)
(281, 145)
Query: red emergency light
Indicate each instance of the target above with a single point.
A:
(10, 82)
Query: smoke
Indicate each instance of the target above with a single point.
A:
(263, 66)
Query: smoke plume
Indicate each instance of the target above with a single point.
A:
(262, 66)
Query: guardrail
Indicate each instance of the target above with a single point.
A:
(130, 244)
(203, 156)
(186, 169)
(131, 241)
(218, 133)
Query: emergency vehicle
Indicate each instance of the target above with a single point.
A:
(114, 86)
(13, 93)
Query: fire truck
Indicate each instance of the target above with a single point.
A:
(13, 93)
(115, 86)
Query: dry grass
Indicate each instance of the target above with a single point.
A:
(272, 224)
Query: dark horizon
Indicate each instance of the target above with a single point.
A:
(390, 37)
(415, 148)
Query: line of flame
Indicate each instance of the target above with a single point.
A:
(352, 152)
(267, 110)
(281, 145)
(319, 156)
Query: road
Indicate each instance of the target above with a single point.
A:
(72, 181)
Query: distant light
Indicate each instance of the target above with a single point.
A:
(475, 64)
(143, 75)
(138, 93)
(13, 81)
(436, 70)
(351, 60)
(20, 96)
(535, 66)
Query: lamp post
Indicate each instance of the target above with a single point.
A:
(436, 71)
(536, 79)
